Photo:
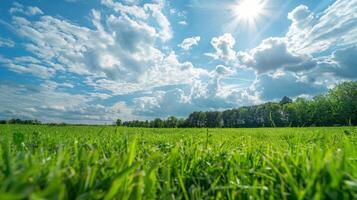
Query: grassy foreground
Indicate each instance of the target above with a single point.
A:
(97, 162)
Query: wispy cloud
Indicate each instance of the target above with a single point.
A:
(188, 43)
(26, 10)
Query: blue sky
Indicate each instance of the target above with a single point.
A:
(94, 61)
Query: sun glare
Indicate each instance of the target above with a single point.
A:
(249, 10)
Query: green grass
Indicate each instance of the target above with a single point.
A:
(98, 162)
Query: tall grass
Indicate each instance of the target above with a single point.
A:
(89, 162)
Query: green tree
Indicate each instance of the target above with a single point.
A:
(214, 119)
(285, 100)
(158, 123)
(171, 122)
(302, 108)
(321, 111)
(291, 114)
(201, 119)
(344, 102)
(118, 122)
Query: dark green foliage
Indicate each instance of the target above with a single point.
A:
(19, 121)
(343, 99)
(285, 100)
(171, 122)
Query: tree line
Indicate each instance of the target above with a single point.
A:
(20, 121)
(337, 107)
(38, 122)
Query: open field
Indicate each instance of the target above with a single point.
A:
(106, 162)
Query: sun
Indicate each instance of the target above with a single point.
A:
(249, 10)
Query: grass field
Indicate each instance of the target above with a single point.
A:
(106, 162)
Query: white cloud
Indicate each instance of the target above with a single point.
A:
(173, 11)
(100, 95)
(67, 85)
(168, 71)
(299, 15)
(121, 54)
(273, 54)
(187, 43)
(162, 21)
(336, 26)
(222, 70)
(200, 97)
(341, 63)
(6, 43)
(224, 46)
(132, 10)
(48, 103)
(149, 10)
(183, 23)
(29, 11)
(274, 88)
(212, 94)
(23, 65)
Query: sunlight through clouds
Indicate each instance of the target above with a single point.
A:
(249, 12)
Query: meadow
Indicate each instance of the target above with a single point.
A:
(108, 162)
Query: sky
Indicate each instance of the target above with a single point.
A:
(93, 61)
